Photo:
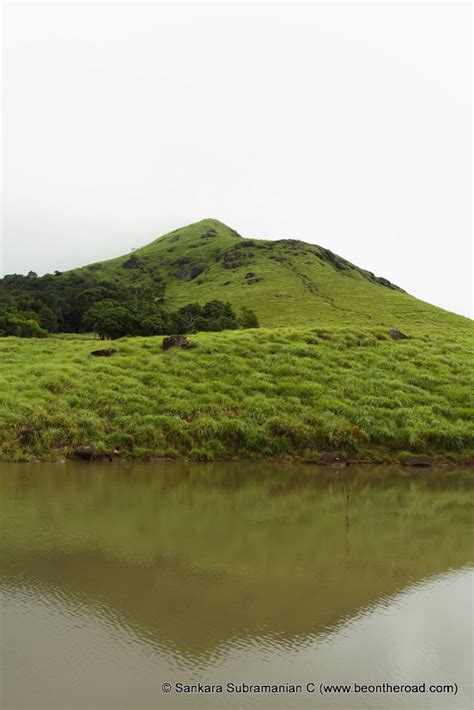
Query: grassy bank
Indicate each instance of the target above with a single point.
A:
(280, 393)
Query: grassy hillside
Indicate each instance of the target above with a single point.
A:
(285, 282)
(321, 375)
(279, 393)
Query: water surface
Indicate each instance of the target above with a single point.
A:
(118, 578)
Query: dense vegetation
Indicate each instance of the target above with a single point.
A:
(282, 393)
(33, 306)
(110, 319)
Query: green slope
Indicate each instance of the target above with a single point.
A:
(330, 379)
(286, 282)
(287, 393)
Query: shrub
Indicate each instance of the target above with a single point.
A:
(21, 327)
(248, 318)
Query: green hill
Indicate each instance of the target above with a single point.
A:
(321, 375)
(286, 282)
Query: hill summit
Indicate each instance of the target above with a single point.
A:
(286, 281)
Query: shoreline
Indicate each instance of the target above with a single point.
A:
(414, 462)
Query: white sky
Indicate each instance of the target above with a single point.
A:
(346, 125)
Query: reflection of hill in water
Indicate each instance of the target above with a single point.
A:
(193, 557)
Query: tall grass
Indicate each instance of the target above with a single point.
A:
(280, 393)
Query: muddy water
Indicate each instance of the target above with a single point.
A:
(117, 579)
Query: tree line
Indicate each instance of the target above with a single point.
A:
(32, 306)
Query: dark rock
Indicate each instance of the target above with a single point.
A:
(187, 269)
(85, 453)
(104, 353)
(334, 458)
(88, 453)
(196, 269)
(233, 257)
(416, 461)
(335, 261)
(209, 234)
(385, 282)
(102, 456)
(176, 341)
(397, 334)
(28, 434)
(132, 262)
(312, 341)
(253, 280)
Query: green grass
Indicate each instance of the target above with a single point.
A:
(254, 394)
(266, 393)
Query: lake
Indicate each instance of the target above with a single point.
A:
(119, 578)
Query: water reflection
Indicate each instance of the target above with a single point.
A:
(116, 578)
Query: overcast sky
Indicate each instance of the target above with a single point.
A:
(344, 125)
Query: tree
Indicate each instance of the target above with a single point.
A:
(48, 318)
(152, 325)
(248, 318)
(110, 320)
(217, 315)
(70, 295)
(186, 317)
